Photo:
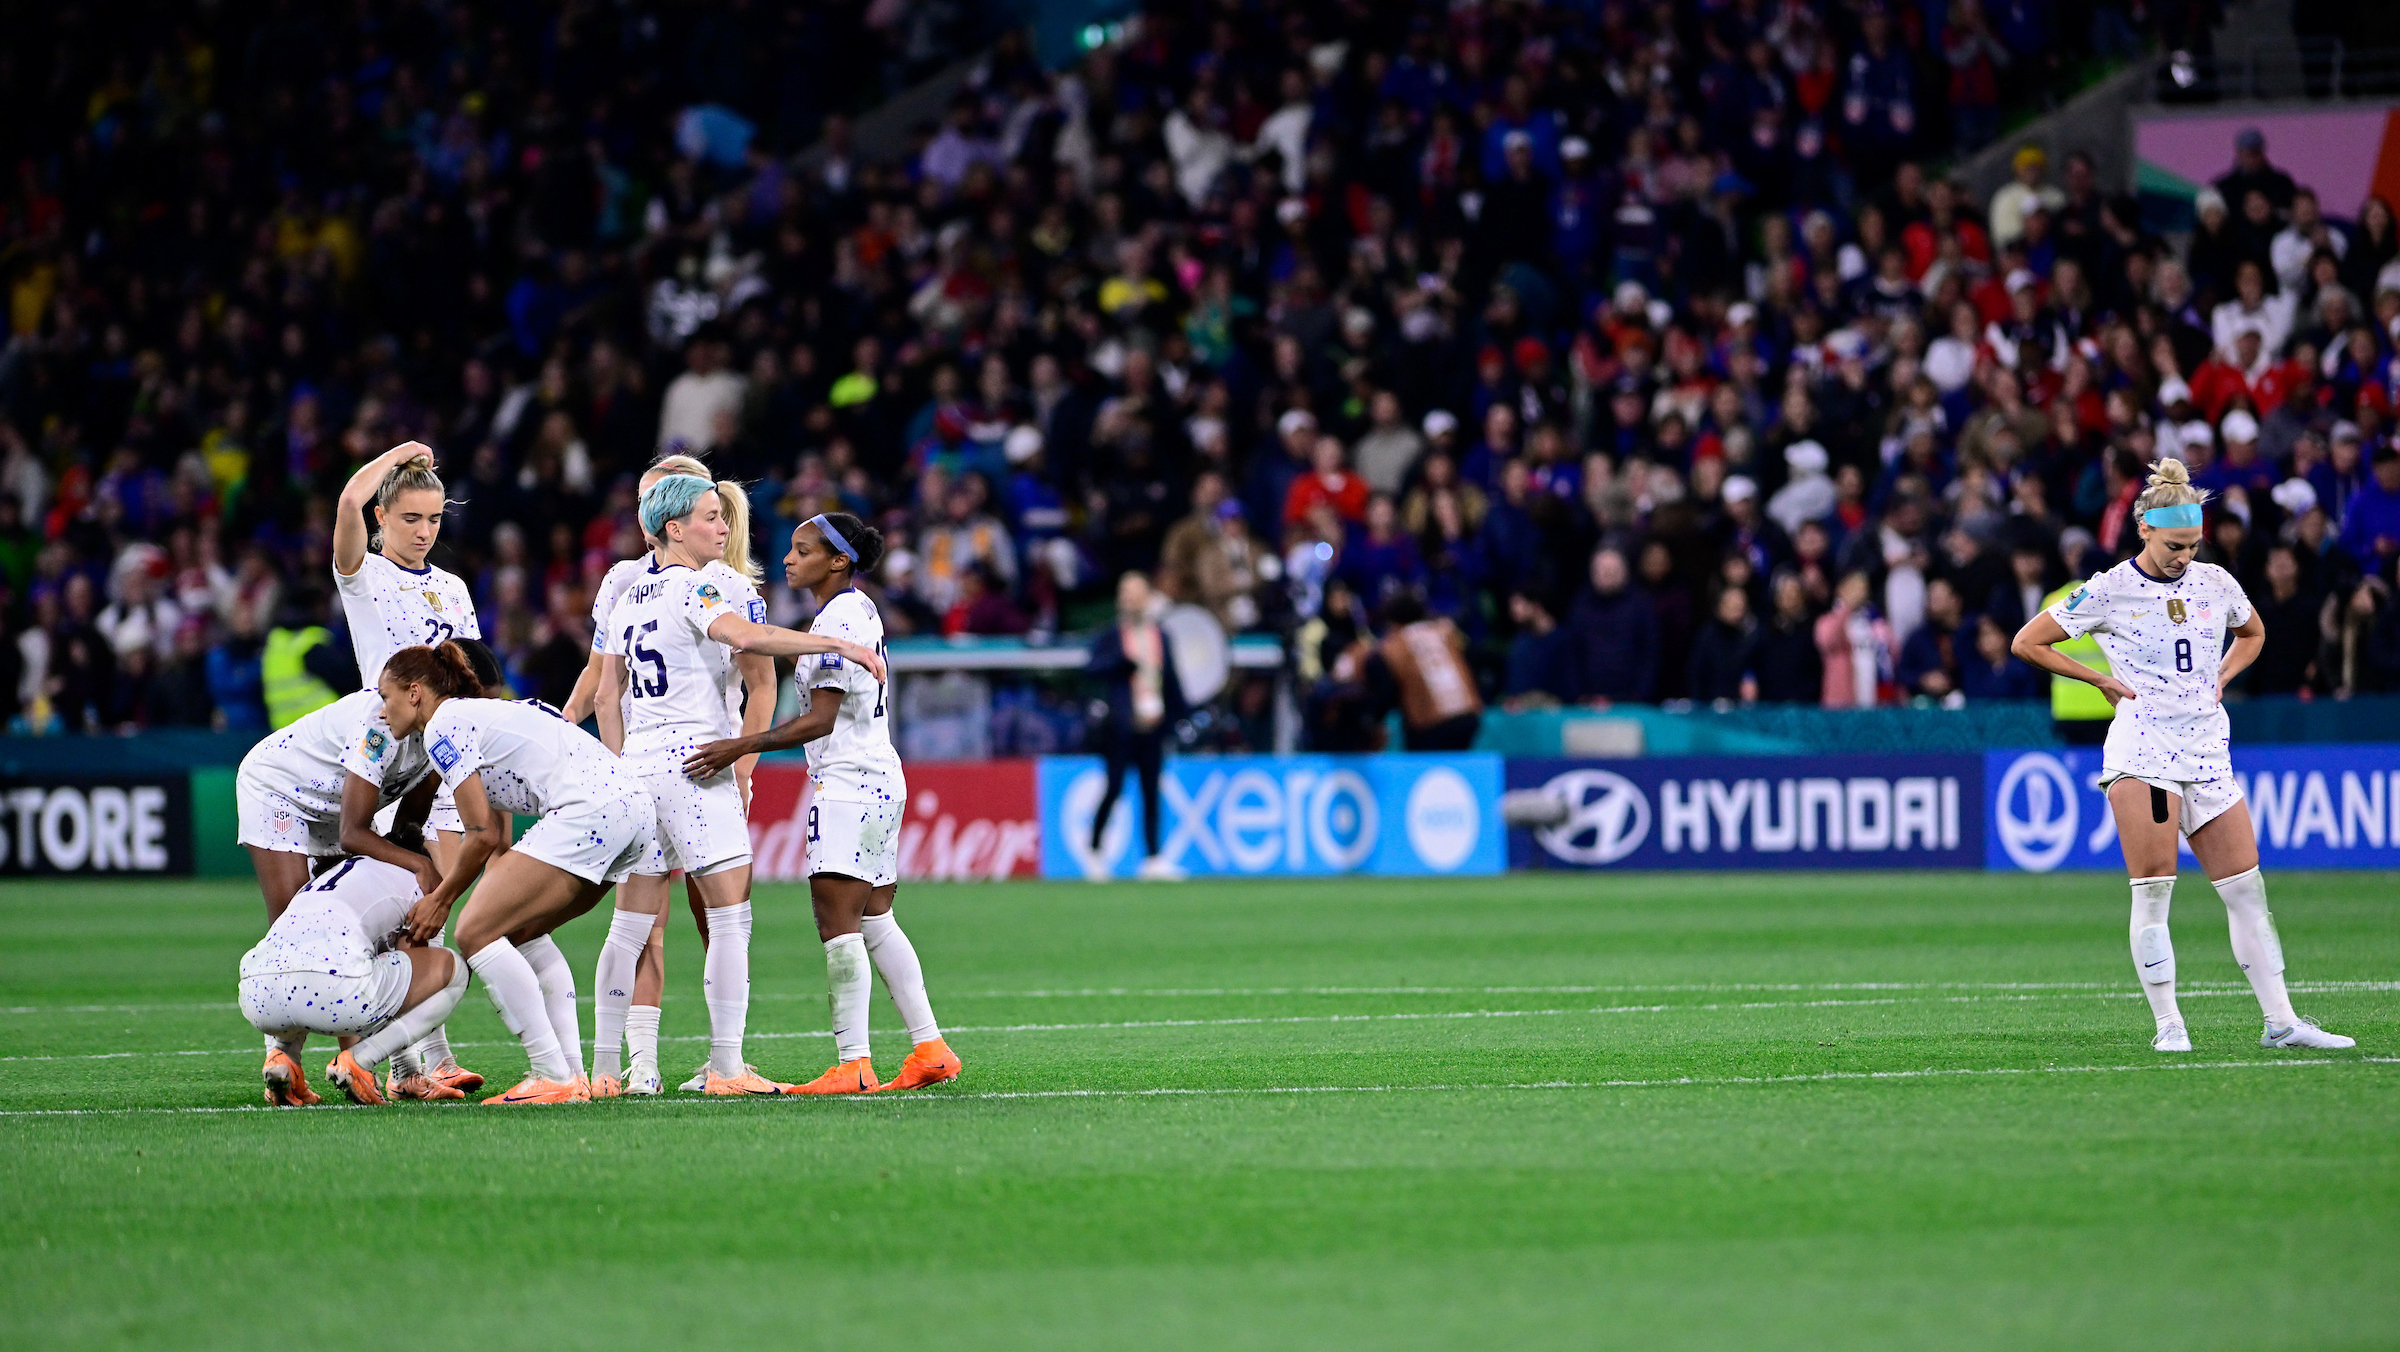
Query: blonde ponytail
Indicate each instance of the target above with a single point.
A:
(737, 530)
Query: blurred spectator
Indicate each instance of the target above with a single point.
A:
(1991, 672)
(1616, 635)
(2371, 521)
(2287, 662)
(1790, 669)
(1541, 658)
(1929, 660)
(1855, 645)
(1725, 655)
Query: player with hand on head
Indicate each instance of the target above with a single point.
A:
(856, 794)
(668, 684)
(596, 826)
(336, 962)
(2161, 617)
(392, 597)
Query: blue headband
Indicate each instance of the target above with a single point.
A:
(834, 537)
(2182, 514)
(671, 499)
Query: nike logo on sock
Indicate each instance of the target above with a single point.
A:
(2153, 964)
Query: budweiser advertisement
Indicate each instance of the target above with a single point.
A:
(967, 820)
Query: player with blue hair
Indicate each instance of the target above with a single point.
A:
(669, 683)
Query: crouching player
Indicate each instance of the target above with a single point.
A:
(335, 962)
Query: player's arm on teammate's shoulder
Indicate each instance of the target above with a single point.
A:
(775, 641)
(350, 515)
(2248, 638)
(361, 799)
(483, 832)
(2034, 645)
(824, 705)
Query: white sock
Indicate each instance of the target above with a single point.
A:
(558, 998)
(2150, 900)
(2255, 946)
(903, 976)
(848, 982)
(393, 1038)
(290, 1045)
(517, 994)
(725, 985)
(404, 1061)
(433, 1049)
(641, 1037)
(612, 986)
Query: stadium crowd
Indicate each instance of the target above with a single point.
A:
(1638, 343)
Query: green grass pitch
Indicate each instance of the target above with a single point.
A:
(1735, 1111)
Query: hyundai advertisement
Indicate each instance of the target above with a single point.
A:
(2312, 807)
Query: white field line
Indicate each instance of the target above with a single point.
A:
(1126, 1024)
(1676, 1082)
(2189, 988)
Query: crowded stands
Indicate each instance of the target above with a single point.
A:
(1651, 348)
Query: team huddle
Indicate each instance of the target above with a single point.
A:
(369, 819)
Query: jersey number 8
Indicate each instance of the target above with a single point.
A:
(656, 685)
(2183, 654)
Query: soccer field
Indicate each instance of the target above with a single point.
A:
(1532, 1111)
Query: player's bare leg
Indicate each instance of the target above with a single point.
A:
(2147, 818)
(2227, 848)
(841, 903)
(523, 895)
(930, 1060)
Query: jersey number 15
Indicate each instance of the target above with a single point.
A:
(635, 649)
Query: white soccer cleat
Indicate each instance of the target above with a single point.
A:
(1095, 870)
(2305, 1033)
(642, 1079)
(2171, 1037)
(1160, 869)
(698, 1084)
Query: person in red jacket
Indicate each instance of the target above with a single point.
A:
(1329, 480)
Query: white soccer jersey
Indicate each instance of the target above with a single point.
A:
(390, 607)
(337, 924)
(533, 761)
(2165, 640)
(681, 686)
(308, 761)
(854, 763)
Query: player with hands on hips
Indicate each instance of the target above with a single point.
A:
(2162, 617)
(856, 795)
(667, 685)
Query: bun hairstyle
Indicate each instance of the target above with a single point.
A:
(446, 671)
(736, 498)
(864, 538)
(2170, 486)
(412, 475)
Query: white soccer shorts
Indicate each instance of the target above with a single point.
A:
(271, 821)
(602, 843)
(284, 1003)
(2203, 800)
(856, 840)
(702, 828)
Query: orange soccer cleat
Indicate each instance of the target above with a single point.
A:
(850, 1077)
(607, 1086)
(418, 1086)
(356, 1080)
(449, 1075)
(287, 1084)
(535, 1089)
(582, 1085)
(928, 1063)
(748, 1084)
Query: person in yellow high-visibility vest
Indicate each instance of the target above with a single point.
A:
(293, 691)
(2079, 710)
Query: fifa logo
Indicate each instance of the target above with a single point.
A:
(2175, 609)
